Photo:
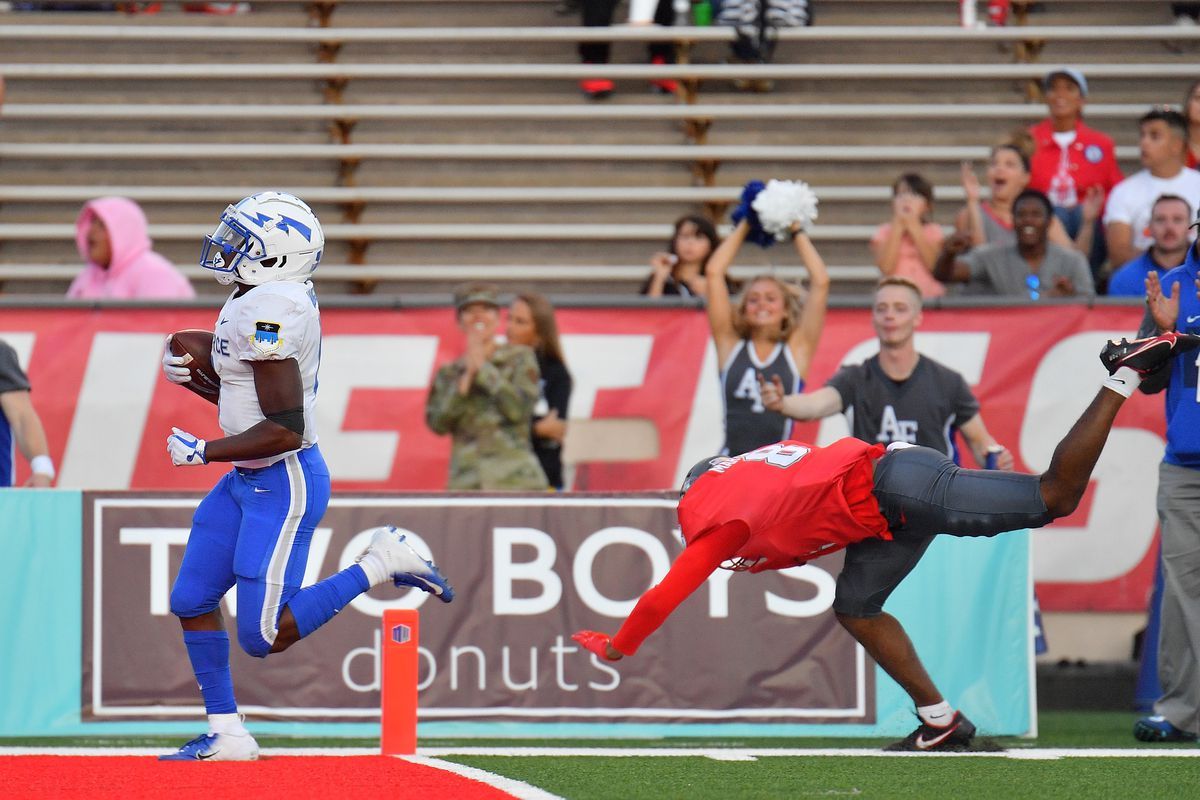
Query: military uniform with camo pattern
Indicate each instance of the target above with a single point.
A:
(490, 424)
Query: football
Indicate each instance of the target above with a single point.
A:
(198, 344)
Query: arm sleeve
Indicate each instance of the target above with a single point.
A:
(512, 384)
(697, 561)
(444, 406)
(1114, 170)
(12, 377)
(844, 382)
(1081, 274)
(966, 406)
(272, 329)
(1115, 209)
(558, 389)
(975, 261)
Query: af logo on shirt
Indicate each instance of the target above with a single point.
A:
(896, 430)
(748, 390)
(266, 338)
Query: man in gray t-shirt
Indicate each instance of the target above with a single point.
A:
(896, 396)
(924, 408)
(1033, 268)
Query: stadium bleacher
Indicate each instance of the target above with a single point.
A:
(447, 140)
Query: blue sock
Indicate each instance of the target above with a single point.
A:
(315, 605)
(209, 654)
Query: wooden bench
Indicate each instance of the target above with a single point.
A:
(469, 195)
(451, 273)
(572, 72)
(334, 232)
(572, 34)
(67, 151)
(557, 112)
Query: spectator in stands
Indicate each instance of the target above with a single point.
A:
(1071, 162)
(1191, 110)
(771, 331)
(1173, 304)
(897, 395)
(757, 24)
(485, 401)
(990, 221)
(20, 424)
(1162, 140)
(908, 245)
(531, 323)
(680, 269)
(1169, 221)
(1032, 268)
(599, 14)
(111, 234)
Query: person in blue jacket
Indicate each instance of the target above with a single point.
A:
(1173, 304)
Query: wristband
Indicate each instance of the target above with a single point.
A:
(42, 465)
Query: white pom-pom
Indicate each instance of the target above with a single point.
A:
(784, 203)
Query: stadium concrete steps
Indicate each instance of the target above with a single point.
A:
(426, 13)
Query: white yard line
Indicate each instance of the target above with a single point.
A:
(518, 789)
(426, 755)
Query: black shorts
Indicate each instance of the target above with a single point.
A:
(922, 493)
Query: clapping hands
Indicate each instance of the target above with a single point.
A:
(1164, 308)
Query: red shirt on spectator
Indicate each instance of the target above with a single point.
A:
(1091, 159)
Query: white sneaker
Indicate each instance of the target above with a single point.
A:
(403, 564)
(216, 747)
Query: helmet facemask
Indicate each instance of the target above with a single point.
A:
(268, 236)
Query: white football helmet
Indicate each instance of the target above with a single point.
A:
(269, 236)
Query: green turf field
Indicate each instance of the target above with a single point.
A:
(699, 778)
(663, 775)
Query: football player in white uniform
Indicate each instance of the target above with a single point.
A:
(253, 529)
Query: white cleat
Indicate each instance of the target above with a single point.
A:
(216, 747)
(404, 565)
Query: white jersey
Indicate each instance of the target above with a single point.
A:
(270, 322)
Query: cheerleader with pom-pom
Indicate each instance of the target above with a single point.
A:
(773, 328)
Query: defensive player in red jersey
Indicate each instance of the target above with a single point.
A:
(785, 504)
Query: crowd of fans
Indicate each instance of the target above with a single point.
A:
(1053, 217)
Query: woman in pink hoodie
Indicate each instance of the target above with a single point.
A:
(112, 239)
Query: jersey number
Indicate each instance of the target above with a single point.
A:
(779, 455)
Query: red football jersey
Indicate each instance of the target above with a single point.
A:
(796, 501)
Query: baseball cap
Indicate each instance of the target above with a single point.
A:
(1067, 72)
(475, 293)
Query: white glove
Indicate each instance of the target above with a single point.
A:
(173, 366)
(185, 449)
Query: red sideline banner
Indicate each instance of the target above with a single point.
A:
(107, 410)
